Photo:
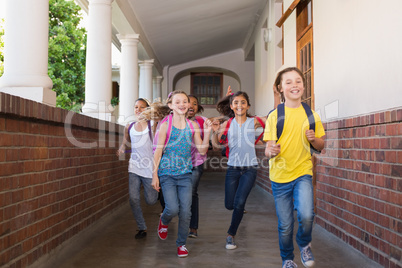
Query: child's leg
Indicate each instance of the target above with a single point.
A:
(304, 204)
(150, 194)
(246, 183)
(231, 183)
(184, 191)
(134, 186)
(195, 178)
(168, 183)
(283, 195)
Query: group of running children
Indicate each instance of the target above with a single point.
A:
(169, 158)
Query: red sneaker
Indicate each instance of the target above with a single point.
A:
(182, 251)
(162, 230)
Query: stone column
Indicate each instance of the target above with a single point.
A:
(128, 76)
(157, 87)
(26, 51)
(146, 79)
(98, 76)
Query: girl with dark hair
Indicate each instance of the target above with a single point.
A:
(139, 135)
(239, 133)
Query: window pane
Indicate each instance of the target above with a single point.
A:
(207, 87)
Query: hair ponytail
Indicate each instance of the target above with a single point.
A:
(157, 110)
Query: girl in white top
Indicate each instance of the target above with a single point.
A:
(139, 134)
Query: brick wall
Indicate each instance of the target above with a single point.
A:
(56, 179)
(359, 184)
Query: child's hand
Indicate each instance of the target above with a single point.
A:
(229, 92)
(155, 183)
(207, 125)
(120, 152)
(215, 125)
(273, 150)
(310, 134)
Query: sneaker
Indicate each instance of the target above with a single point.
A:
(289, 264)
(141, 234)
(162, 230)
(182, 251)
(192, 234)
(230, 243)
(306, 256)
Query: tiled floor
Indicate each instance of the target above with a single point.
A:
(112, 243)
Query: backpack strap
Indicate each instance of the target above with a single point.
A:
(191, 126)
(224, 138)
(311, 122)
(169, 120)
(130, 126)
(128, 131)
(262, 125)
(280, 120)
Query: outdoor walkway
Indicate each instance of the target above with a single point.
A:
(112, 242)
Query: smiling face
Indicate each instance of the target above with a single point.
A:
(179, 104)
(193, 107)
(292, 86)
(139, 107)
(239, 105)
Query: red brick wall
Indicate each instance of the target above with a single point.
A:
(359, 184)
(51, 189)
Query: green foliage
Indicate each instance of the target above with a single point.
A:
(67, 52)
(114, 101)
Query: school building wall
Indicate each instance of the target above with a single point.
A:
(56, 179)
(357, 85)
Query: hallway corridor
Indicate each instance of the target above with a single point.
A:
(111, 243)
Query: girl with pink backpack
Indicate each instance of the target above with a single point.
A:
(173, 165)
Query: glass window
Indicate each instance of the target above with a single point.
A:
(207, 87)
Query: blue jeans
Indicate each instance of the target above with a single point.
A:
(238, 183)
(195, 177)
(295, 195)
(150, 194)
(177, 191)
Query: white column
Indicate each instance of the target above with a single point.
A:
(98, 76)
(128, 76)
(26, 51)
(157, 87)
(146, 79)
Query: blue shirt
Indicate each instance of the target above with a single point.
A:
(241, 142)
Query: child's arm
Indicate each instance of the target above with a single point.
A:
(229, 92)
(158, 155)
(272, 149)
(257, 124)
(218, 130)
(202, 145)
(126, 139)
(318, 143)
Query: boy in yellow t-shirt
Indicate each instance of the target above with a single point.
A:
(290, 166)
